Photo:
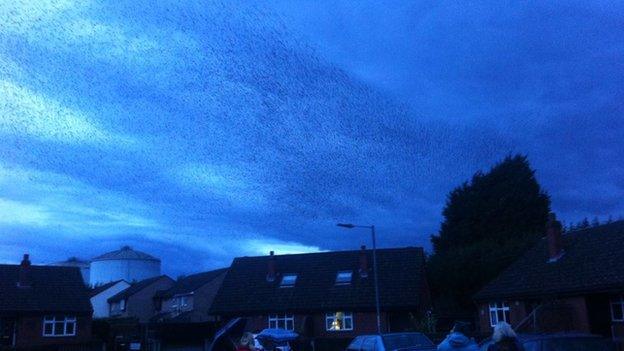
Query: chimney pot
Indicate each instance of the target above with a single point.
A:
(363, 262)
(553, 236)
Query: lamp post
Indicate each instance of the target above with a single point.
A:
(372, 228)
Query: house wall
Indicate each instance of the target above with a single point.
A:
(568, 314)
(518, 310)
(29, 332)
(101, 308)
(363, 323)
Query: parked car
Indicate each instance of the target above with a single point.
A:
(392, 342)
(560, 342)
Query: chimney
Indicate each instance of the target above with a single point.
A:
(363, 262)
(553, 235)
(24, 280)
(271, 271)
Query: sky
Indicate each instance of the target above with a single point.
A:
(199, 131)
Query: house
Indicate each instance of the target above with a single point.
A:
(130, 311)
(101, 294)
(327, 295)
(43, 306)
(190, 298)
(184, 320)
(572, 281)
(137, 301)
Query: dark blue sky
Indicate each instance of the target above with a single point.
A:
(212, 129)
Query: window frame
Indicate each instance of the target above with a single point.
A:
(499, 306)
(344, 282)
(289, 275)
(285, 318)
(54, 320)
(330, 318)
(617, 301)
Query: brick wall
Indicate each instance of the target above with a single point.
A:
(30, 332)
(518, 311)
(568, 314)
(363, 323)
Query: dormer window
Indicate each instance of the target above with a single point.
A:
(288, 281)
(344, 277)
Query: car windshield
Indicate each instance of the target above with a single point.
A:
(401, 341)
(577, 344)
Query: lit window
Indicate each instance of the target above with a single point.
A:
(343, 277)
(617, 309)
(499, 312)
(339, 321)
(59, 326)
(282, 321)
(288, 280)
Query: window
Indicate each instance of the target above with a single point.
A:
(617, 309)
(282, 321)
(180, 301)
(288, 280)
(344, 277)
(499, 312)
(59, 326)
(338, 321)
(118, 306)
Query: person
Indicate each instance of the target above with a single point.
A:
(504, 338)
(458, 339)
(247, 343)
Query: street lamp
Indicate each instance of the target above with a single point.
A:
(372, 228)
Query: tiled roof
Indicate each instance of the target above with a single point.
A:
(53, 289)
(245, 289)
(135, 288)
(188, 284)
(592, 263)
(125, 253)
(98, 289)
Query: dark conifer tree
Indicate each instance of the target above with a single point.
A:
(488, 222)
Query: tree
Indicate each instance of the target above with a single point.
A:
(584, 224)
(595, 222)
(488, 222)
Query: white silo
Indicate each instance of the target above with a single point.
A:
(125, 263)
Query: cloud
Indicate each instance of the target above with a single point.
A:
(19, 213)
(213, 129)
(223, 182)
(49, 200)
(25, 112)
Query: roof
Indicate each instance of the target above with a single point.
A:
(53, 289)
(245, 289)
(591, 263)
(135, 288)
(125, 253)
(72, 262)
(98, 289)
(189, 284)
